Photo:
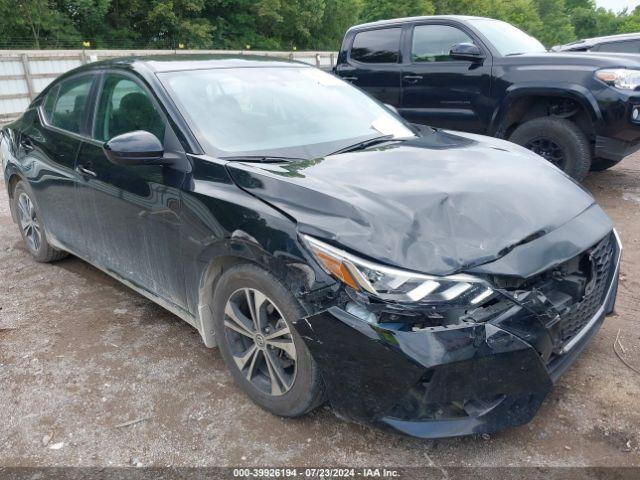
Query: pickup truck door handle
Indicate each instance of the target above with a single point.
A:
(86, 171)
(350, 79)
(411, 78)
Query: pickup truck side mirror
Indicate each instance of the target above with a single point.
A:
(466, 51)
(135, 148)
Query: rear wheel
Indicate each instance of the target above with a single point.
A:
(31, 228)
(558, 141)
(253, 312)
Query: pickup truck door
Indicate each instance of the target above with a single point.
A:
(373, 63)
(438, 90)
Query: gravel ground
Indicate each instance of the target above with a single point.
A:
(81, 354)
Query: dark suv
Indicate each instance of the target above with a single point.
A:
(579, 111)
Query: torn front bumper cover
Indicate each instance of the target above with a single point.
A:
(450, 380)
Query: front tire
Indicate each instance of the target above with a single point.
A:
(267, 358)
(558, 141)
(31, 227)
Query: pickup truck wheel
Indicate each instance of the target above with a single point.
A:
(600, 164)
(557, 140)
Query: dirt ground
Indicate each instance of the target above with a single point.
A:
(81, 354)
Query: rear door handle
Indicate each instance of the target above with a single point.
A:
(350, 79)
(412, 78)
(86, 171)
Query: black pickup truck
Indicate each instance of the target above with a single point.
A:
(580, 111)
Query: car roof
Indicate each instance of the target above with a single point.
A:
(182, 62)
(396, 21)
(589, 42)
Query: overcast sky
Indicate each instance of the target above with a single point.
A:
(617, 5)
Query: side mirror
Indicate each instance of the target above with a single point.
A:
(466, 51)
(135, 148)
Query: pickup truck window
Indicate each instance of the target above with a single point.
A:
(432, 43)
(506, 38)
(377, 46)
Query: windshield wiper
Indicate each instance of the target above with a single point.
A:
(364, 144)
(261, 158)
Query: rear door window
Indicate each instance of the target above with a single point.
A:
(432, 43)
(69, 110)
(377, 46)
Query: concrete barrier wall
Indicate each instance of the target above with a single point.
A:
(25, 73)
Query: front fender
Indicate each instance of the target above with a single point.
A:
(576, 92)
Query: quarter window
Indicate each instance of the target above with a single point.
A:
(125, 107)
(70, 107)
(49, 102)
(377, 46)
(432, 43)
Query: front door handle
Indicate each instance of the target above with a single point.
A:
(412, 78)
(26, 144)
(86, 171)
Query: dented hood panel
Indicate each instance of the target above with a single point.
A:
(438, 204)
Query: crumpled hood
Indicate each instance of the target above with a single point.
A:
(438, 204)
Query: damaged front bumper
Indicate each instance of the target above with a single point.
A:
(452, 380)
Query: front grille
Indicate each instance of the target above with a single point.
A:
(574, 318)
(567, 296)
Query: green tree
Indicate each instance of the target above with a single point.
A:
(36, 23)
(521, 13)
(337, 17)
(179, 22)
(556, 24)
(87, 16)
(383, 9)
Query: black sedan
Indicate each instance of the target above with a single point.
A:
(430, 281)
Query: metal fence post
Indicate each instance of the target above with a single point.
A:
(27, 76)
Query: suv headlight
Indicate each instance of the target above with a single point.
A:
(397, 285)
(624, 78)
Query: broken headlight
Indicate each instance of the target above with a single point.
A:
(395, 285)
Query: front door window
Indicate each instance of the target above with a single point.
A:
(126, 107)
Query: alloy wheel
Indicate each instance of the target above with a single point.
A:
(547, 149)
(260, 341)
(29, 222)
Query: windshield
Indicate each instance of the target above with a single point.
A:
(286, 111)
(506, 38)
